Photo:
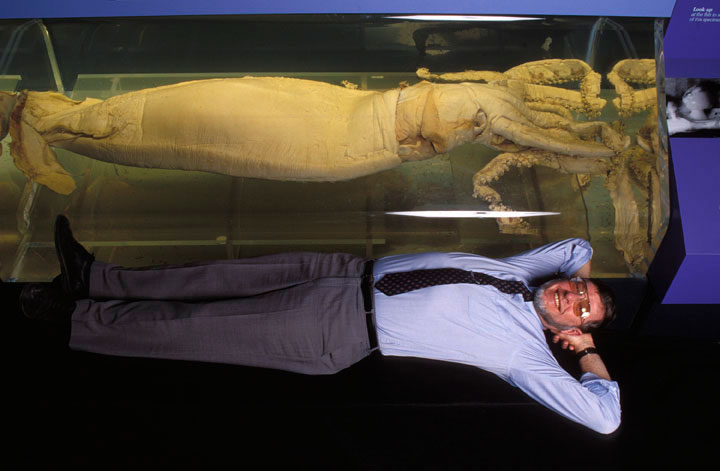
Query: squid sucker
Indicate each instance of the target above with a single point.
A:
(286, 129)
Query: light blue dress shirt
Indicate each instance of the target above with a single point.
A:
(478, 325)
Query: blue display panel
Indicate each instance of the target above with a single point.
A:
(99, 8)
(697, 171)
(687, 267)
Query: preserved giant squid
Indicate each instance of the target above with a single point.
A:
(293, 129)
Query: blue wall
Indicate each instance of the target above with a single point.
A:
(95, 8)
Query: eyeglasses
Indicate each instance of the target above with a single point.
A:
(581, 307)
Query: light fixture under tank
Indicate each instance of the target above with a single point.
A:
(463, 18)
(472, 214)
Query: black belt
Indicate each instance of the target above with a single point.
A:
(367, 293)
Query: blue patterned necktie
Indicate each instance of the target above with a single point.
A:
(402, 282)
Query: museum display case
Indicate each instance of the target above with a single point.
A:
(555, 114)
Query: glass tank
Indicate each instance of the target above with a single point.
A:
(556, 115)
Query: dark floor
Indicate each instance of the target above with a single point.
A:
(72, 410)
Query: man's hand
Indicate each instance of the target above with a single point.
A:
(679, 125)
(574, 342)
(591, 363)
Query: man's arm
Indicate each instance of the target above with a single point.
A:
(589, 363)
(584, 271)
(593, 400)
(567, 257)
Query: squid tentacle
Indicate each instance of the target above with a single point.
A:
(535, 137)
(629, 100)
(497, 168)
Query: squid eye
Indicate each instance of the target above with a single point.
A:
(480, 122)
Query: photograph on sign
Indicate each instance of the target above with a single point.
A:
(693, 107)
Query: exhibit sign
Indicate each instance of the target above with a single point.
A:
(689, 259)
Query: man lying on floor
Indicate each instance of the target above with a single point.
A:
(317, 313)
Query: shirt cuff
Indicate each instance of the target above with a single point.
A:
(598, 385)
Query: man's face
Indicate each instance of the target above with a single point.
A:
(695, 98)
(554, 302)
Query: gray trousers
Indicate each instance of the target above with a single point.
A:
(300, 312)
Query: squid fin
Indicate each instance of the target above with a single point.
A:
(34, 157)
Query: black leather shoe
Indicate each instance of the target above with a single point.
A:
(47, 302)
(75, 261)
